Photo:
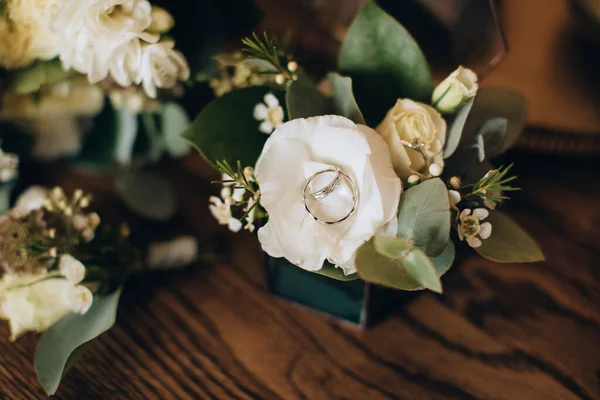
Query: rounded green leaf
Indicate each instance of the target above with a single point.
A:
(384, 62)
(392, 247)
(227, 130)
(509, 243)
(420, 267)
(147, 194)
(331, 271)
(424, 216)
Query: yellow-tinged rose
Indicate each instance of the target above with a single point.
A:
(452, 92)
(407, 122)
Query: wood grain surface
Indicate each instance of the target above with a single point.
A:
(500, 331)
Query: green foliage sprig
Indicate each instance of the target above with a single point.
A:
(274, 51)
(492, 186)
(240, 180)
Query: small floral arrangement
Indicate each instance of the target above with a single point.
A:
(104, 83)
(62, 271)
(367, 174)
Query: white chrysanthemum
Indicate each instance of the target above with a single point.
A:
(162, 67)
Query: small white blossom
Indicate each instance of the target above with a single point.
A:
(9, 164)
(413, 180)
(270, 113)
(234, 225)
(250, 217)
(454, 197)
(176, 253)
(71, 268)
(471, 228)
(237, 193)
(222, 212)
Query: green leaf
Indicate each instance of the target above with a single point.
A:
(30, 80)
(420, 267)
(304, 100)
(509, 243)
(226, 128)
(174, 120)
(147, 194)
(409, 272)
(491, 137)
(384, 62)
(444, 261)
(456, 128)
(424, 216)
(344, 103)
(392, 247)
(61, 340)
(331, 271)
(497, 103)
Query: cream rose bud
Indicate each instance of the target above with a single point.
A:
(406, 122)
(297, 150)
(453, 91)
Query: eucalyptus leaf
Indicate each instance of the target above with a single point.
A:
(174, 120)
(444, 261)
(384, 62)
(127, 129)
(413, 271)
(456, 128)
(492, 103)
(42, 73)
(304, 100)
(420, 267)
(424, 216)
(331, 271)
(344, 103)
(491, 137)
(147, 194)
(392, 247)
(68, 335)
(227, 130)
(509, 243)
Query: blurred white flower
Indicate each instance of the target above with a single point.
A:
(34, 302)
(71, 268)
(162, 20)
(92, 32)
(124, 66)
(175, 253)
(471, 228)
(270, 113)
(9, 166)
(34, 198)
(162, 67)
(222, 212)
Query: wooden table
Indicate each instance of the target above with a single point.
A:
(520, 331)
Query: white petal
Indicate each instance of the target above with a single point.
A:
(234, 225)
(486, 230)
(454, 197)
(271, 100)
(260, 112)
(465, 213)
(481, 213)
(474, 242)
(266, 127)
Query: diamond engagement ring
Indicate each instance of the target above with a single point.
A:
(327, 190)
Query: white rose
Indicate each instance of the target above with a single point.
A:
(92, 32)
(162, 67)
(291, 155)
(408, 121)
(31, 303)
(453, 91)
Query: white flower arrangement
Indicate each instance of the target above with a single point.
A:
(368, 180)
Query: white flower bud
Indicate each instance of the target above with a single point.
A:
(453, 91)
(71, 268)
(249, 173)
(455, 182)
(82, 300)
(435, 170)
(226, 192)
(80, 222)
(162, 20)
(279, 79)
(175, 253)
(413, 180)
(292, 66)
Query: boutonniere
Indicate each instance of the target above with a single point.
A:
(375, 173)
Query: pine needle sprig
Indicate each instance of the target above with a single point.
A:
(272, 50)
(492, 185)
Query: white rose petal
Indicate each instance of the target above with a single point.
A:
(71, 268)
(407, 121)
(293, 153)
(82, 300)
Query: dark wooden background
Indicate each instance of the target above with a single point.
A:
(500, 331)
